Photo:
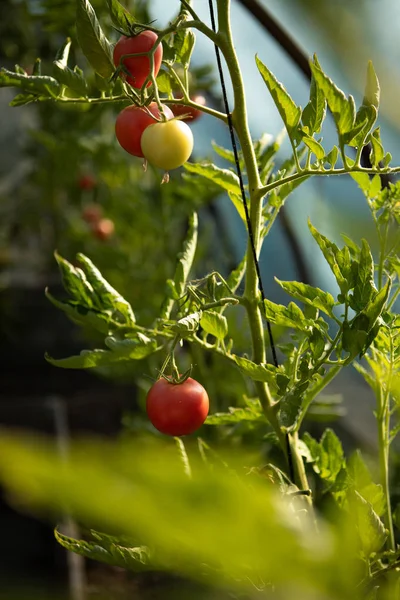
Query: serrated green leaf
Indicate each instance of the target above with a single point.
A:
(22, 99)
(365, 119)
(164, 82)
(39, 85)
(314, 146)
(214, 324)
(238, 204)
(342, 108)
(328, 455)
(288, 110)
(290, 406)
(107, 296)
(364, 287)
(238, 415)
(370, 528)
(134, 348)
(75, 283)
(70, 78)
(264, 372)
(84, 316)
(287, 316)
(309, 295)
(187, 325)
(223, 152)
(134, 559)
(372, 88)
(63, 53)
(184, 41)
(92, 40)
(314, 113)
(377, 152)
(119, 15)
(338, 260)
(332, 156)
(226, 179)
(361, 480)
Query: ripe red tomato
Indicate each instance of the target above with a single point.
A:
(92, 213)
(87, 182)
(192, 113)
(131, 123)
(138, 66)
(103, 229)
(167, 145)
(177, 409)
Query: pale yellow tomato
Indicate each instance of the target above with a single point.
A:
(167, 145)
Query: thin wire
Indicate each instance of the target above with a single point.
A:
(239, 172)
(248, 221)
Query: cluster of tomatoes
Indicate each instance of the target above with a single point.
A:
(151, 132)
(101, 227)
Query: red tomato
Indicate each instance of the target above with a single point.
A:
(131, 123)
(192, 113)
(138, 66)
(87, 182)
(92, 213)
(103, 229)
(177, 409)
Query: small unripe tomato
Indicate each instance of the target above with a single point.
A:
(192, 113)
(131, 123)
(138, 66)
(87, 182)
(103, 229)
(177, 408)
(167, 145)
(92, 213)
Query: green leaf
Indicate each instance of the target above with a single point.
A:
(364, 287)
(70, 78)
(92, 40)
(223, 152)
(288, 110)
(84, 316)
(377, 152)
(332, 156)
(309, 295)
(38, 85)
(314, 146)
(226, 179)
(121, 17)
(287, 316)
(214, 324)
(370, 528)
(372, 88)
(290, 406)
(184, 41)
(328, 455)
(314, 113)
(22, 99)
(63, 53)
(133, 559)
(361, 480)
(264, 372)
(338, 260)
(238, 204)
(365, 119)
(165, 82)
(188, 325)
(238, 415)
(342, 108)
(122, 350)
(106, 295)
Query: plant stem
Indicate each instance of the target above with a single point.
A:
(383, 435)
(251, 296)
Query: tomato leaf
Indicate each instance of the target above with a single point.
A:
(92, 40)
(327, 455)
(338, 260)
(238, 415)
(309, 295)
(134, 559)
(214, 324)
(264, 372)
(314, 146)
(287, 316)
(120, 16)
(84, 316)
(38, 85)
(364, 287)
(288, 110)
(377, 152)
(341, 107)
(314, 113)
(226, 179)
(71, 78)
(184, 41)
(371, 530)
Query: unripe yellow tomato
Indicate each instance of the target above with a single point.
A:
(167, 145)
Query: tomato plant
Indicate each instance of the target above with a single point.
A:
(131, 123)
(167, 145)
(177, 408)
(138, 66)
(188, 113)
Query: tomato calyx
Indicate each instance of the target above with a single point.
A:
(175, 378)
